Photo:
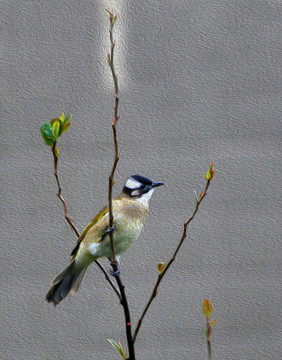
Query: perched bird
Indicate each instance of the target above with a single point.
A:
(130, 210)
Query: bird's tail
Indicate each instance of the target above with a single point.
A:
(68, 280)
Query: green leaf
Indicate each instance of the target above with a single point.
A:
(67, 119)
(118, 347)
(62, 117)
(47, 134)
(57, 128)
(53, 121)
(213, 322)
(205, 332)
(65, 127)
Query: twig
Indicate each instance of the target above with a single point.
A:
(209, 345)
(114, 263)
(108, 279)
(69, 218)
(184, 235)
(207, 310)
(116, 159)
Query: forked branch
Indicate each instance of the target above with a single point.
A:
(209, 177)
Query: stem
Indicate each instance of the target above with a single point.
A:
(162, 274)
(114, 264)
(209, 330)
(209, 350)
(67, 216)
(124, 303)
(116, 159)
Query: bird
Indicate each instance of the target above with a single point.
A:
(130, 210)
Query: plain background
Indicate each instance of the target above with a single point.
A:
(200, 81)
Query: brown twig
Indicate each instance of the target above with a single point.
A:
(69, 218)
(114, 263)
(184, 235)
(207, 310)
(116, 159)
(209, 330)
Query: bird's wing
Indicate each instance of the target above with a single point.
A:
(101, 221)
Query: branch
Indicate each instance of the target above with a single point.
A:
(114, 263)
(116, 159)
(207, 310)
(69, 218)
(209, 177)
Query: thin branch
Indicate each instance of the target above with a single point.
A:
(116, 159)
(184, 235)
(108, 279)
(69, 218)
(207, 310)
(209, 349)
(114, 263)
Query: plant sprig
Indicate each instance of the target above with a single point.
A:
(207, 310)
(50, 133)
(163, 267)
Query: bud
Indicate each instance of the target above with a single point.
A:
(161, 266)
(207, 308)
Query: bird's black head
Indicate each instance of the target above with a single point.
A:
(138, 186)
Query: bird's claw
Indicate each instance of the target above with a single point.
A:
(116, 272)
(110, 229)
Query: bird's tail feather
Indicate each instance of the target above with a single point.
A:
(68, 280)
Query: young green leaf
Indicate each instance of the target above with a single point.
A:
(57, 126)
(47, 134)
(53, 121)
(62, 117)
(211, 172)
(118, 347)
(67, 119)
(213, 322)
(65, 127)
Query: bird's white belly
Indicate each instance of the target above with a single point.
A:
(123, 239)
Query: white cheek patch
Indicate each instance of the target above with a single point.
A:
(146, 197)
(132, 183)
(135, 193)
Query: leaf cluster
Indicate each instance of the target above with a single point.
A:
(51, 132)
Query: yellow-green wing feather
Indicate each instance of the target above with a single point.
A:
(88, 227)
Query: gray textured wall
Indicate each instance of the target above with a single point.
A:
(200, 81)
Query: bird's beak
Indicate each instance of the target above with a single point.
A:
(156, 184)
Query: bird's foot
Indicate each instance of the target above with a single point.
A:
(115, 270)
(110, 229)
